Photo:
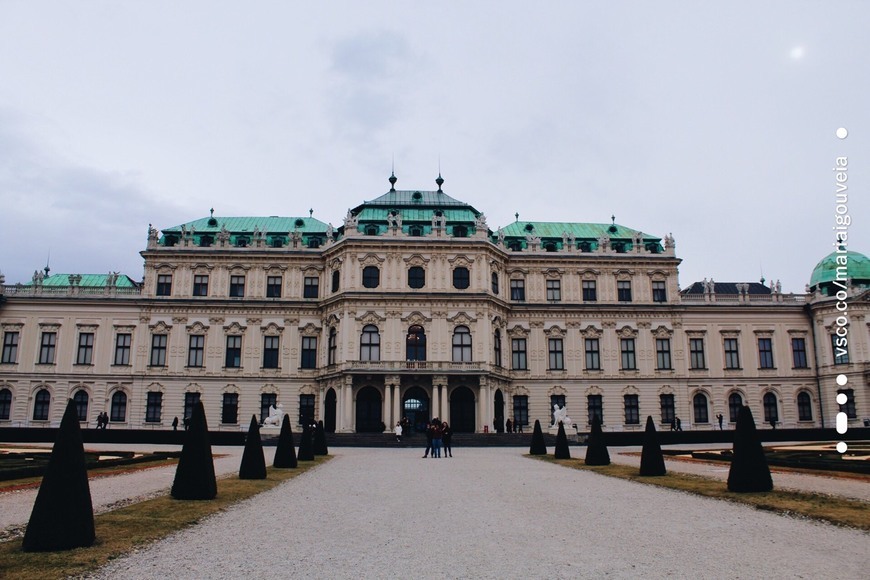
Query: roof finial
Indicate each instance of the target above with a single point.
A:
(761, 269)
(211, 213)
(612, 220)
(47, 260)
(393, 180)
(517, 216)
(311, 212)
(440, 180)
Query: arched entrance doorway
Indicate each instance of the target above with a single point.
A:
(498, 414)
(415, 406)
(462, 410)
(329, 411)
(368, 411)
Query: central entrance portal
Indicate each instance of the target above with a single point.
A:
(368, 411)
(415, 406)
(462, 410)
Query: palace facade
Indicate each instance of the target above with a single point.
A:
(414, 307)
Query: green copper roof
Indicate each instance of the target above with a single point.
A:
(271, 225)
(857, 268)
(417, 198)
(578, 230)
(415, 215)
(87, 281)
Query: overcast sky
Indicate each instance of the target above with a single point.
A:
(714, 121)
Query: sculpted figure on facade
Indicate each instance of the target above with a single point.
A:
(561, 415)
(275, 416)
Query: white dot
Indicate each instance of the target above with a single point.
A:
(842, 133)
(842, 398)
(842, 380)
(841, 446)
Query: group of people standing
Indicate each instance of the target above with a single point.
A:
(102, 420)
(438, 437)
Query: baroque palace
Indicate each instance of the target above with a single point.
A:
(415, 308)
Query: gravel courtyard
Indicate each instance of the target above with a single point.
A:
(490, 513)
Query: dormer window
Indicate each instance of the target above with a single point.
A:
(415, 231)
(242, 242)
(460, 232)
(205, 241)
(313, 242)
(372, 230)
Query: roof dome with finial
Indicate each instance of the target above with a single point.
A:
(857, 269)
(439, 181)
(393, 181)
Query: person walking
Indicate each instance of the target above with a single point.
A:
(398, 432)
(721, 418)
(428, 440)
(175, 424)
(446, 439)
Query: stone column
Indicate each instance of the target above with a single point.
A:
(397, 401)
(436, 400)
(445, 406)
(484, 405)
(387, 408)
(347, 410)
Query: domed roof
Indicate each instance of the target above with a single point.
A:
(857, 267)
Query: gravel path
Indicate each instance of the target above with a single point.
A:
(490, 513)
(839, 486)
(111, 492)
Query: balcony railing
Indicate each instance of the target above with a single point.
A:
(414, 365)
(67, 291)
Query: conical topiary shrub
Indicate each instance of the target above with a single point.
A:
(194, 476)
(253, 461)
(538, 446)
(652, 462)
(306, 445)
(749, 471)
(285, 453)
(596, 450)
(320, 447)
(63, 514)
(562, 451)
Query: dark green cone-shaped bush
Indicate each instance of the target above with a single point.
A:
(253, 461)
(194, 476)
(538, 446)
(562, 451)
(306, 445)
(320, 440)
(596, 450)
(285, 453)
(63, 514)
(652, 462)
(749, 471)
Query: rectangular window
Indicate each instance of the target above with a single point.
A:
(593, 355)
(270, 353)
(233, 357)
(667, 405)
(46, 348)
(310, 288)
(85, 354)
(273, 286)
(590, 292)
(595, 407)
(190, 401)
(554, 290)
(696, 353)
(196, 348)
(309, 352)
(627, 350)
(521, 410)
(200, 285)
(237, 286)
(306, 409)
(659, 292)
(518, 290)
(153, 406)
(765, 353)
(841, 350)
(164, 285)
(663, 354)
(732, 355)
(557, 357)
(158, 350)
(122, 349)
(230, 408)
(623, 290)
(799, 353)
(10, 348)
(632, 410)
(849, 407)
(518, 354)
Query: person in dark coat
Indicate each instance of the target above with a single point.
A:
(175, 424)
(446, 437)
(428, 440)
(509, 426)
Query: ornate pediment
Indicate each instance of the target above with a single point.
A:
(591, 332)
(234, 328)
(416, 260)
(271, 329)
(517, 331)
(370, 260)
(416, 318)
(662, 332)
(554, 331)
(197, 328)
(626, 332)
(461, 318)
(310, 329)
(160, 327)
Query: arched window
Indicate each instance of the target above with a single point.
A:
(81, 401)
(735, 401)
(804, 403)
(5, 404)
(496, 347)
(771, 414)
(332, 347)
(495, 283)
(416, 277)
(336, 278)
(699, 402)
(40, 405)
(461, 278)
(461, 344)
(370, 344)
(371, 277)
(415, 344)
(118, 412)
